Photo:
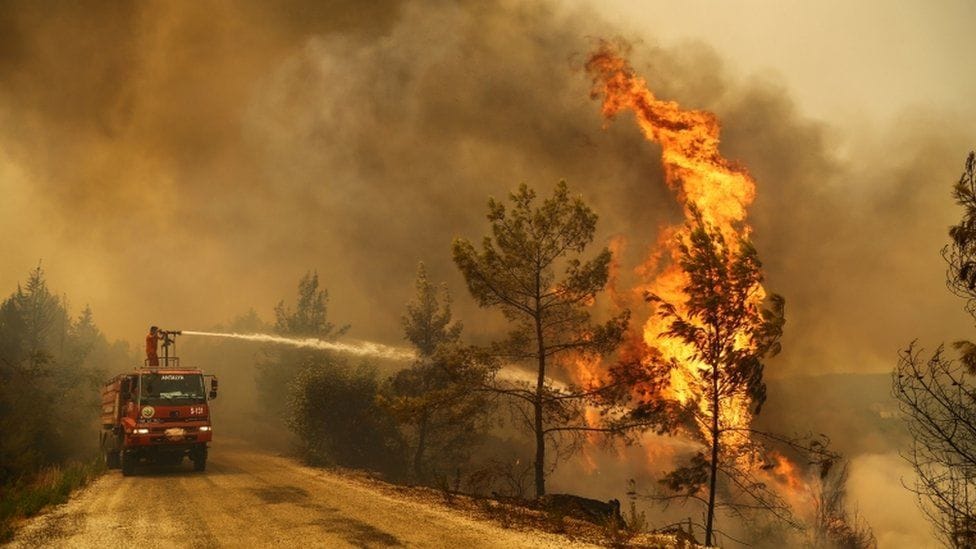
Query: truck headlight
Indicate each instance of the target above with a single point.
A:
(140, 431)
(205, 428)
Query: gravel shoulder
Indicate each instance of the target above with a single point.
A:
(251, 498)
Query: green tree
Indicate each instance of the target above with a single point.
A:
(27, 319)
(308, 319)
(50, 369)
(330, 406)
(310, 315)
(428, 322)
(334, 411)
(518, 272)
(438, 399)
(724, 323)
(960, 254)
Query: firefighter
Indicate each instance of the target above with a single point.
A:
(152, 344)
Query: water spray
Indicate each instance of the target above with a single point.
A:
(362, 348)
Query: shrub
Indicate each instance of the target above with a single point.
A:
(334, 413)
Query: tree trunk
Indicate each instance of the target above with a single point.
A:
(540, 435)
(713, 466)
(418, 457)
(540, 451)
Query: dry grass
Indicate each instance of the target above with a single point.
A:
(50, 486)
(520, 515)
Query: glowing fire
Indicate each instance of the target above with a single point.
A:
(704, 180)
(693, 166)
(785, 472)
(792, 484)
(721, 191)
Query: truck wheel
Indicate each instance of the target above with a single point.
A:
(110, 452)
(199, 460)
(112, 460)
(128, 464)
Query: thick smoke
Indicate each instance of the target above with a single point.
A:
(179, 163)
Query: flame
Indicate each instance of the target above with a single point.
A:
(693, 165)
(791, 483)
(785, 472)
(703, 180)
(588, 372)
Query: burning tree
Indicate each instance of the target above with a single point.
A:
(438, 399)
(701, 353)
(937, 396)
(516, 271)
(726, 332)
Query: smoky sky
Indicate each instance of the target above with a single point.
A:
(178, 163)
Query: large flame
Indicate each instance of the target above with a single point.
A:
(704, 181)
(721, 191)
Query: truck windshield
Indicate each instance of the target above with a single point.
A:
(172, 389)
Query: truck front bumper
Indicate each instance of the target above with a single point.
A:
(167, 436)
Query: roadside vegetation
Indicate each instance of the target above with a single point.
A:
(49, 486)
(51, 366)
(455, 416)
(466, 421)
(486, 424)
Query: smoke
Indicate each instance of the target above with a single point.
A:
(877, 484)
(178, 163)
(363, 348)
(234, 143)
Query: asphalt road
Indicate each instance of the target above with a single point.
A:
(249, 498)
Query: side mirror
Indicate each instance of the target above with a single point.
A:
(213, 388)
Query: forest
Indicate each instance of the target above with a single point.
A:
(696, 269)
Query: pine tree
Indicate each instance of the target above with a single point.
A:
(439, 398)
(280, 366)
(531, 269)
(50, 370)
(729, 332)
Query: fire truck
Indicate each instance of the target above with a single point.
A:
(158, 413)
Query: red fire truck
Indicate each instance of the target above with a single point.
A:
(157, 413)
